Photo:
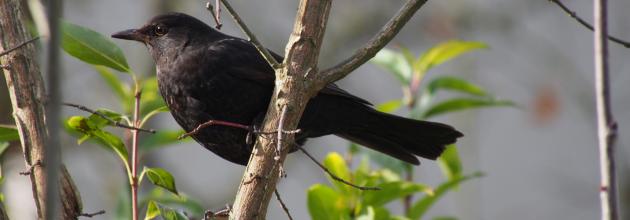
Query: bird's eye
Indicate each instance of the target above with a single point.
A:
(160, 30)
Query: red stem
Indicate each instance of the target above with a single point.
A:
(134, 156)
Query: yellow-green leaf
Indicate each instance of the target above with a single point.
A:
(324, 203)
(450, 163)
(389, 106)
(444, 52)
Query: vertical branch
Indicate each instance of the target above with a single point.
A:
(52, 150)
(134, 153)
(26, 89)
(290, 93)
(606, 125)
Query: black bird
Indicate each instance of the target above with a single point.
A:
(204, 75)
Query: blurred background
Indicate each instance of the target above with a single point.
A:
(540, 159)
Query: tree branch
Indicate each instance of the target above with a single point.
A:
(19, 46)
(252, 38)
(333, 176)
(115, 123)
(369, 50)
(586, 24)
(26, 89)
(296, 82)
(282, 205)
(290, 93)
(606, 125)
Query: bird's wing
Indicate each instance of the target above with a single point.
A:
(248, 64)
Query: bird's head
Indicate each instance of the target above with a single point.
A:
(165, 35)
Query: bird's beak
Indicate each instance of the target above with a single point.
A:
(131, 34)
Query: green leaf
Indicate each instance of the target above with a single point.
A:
(153, 210)
(114, 83)
(389, 106)
(459, 104)
(162, 178)
(113, 142)
(450, 163)
(395, 63)
(161, 139)
(100, 122)
(455, 84)
(3, 147)
(324, 203)
(444, 52)
(392, 191)
(192, 207)
(151, 99)
(335, 163)
(9, 133)
(92, 47)
(88, 127)
(419, 208)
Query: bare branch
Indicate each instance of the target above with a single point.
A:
(90, 215)
(115, 123)
(252, 38)
(18, 46)
(29, 169)
(284, 206)
(234, 125)
(606, 124)
(216, 15)
(586, 24)
(333, 176)
(369, 50)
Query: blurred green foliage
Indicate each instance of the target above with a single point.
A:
(341, 201)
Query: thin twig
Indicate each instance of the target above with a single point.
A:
(333, 175)
(284, 206)
(231, 124)
(215, 15)
(362, 55)
(584, 23)
(18, 46)
(30, 168)
(115, 123)
(252, 38)
(90, 215)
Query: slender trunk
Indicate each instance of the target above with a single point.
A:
(606, 125)
(26, 89)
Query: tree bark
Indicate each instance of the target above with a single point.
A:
(26, 89)
(289, 99)
(297, 80)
